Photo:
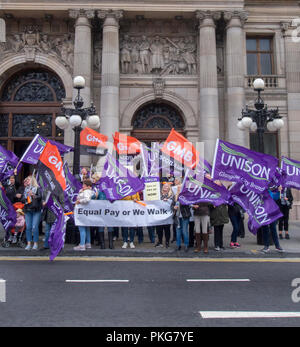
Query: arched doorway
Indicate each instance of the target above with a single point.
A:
(29, 103)
(153, 122)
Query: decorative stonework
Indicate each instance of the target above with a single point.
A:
(158, 47)
(158, 87)
(32, 41)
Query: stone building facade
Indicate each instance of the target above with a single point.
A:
(150, 66)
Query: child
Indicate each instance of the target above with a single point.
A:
(20, 223)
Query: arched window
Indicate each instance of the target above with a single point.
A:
(29, 103)
(153, 122)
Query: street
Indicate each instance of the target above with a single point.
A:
(139, 293)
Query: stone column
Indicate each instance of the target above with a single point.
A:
(209, 107)
(292, 123)
(110, 76)
(83, 50)
(82, 65)
(235, 75)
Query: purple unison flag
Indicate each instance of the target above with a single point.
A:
(239, 164)
(58, 228)
(72, 190)
(8, 214)
(261, 208)
(195, 191)
(291, 171)
(117, 182)
(36, 147)
(8, 162)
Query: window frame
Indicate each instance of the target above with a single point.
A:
(258, 53)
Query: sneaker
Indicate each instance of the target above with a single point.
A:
(232, 245)
(265, 250)
(88, 246)
(125, 244)
(158, 245)
(217, 248)
(279, 249)
(79, 248)
(35, 247)
(28, 248)
(236, 244)
(132, 245)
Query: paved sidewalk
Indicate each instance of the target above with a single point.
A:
(249, 248)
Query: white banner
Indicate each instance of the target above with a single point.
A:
(123, 213)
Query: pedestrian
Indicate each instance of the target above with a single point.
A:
(84, 197)
(100, 195)
(19, 226)
(32, 198)
(167, 196)
(285, 205)
(271, 228)
(202, 223)
(131, 230)
(218, 218)
(234, 212)
(10, 188)
(182, 215)
(176, 188)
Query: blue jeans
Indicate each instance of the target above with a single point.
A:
(151, 233)
(272, 228)
(236, 222)
(182, 230)
(32, 219)
(109, 229)
(47, 234)
(125, 234)
(85, 235)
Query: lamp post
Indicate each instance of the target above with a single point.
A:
(78, 118)
(258, 120)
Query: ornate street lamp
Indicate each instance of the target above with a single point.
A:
(257, 121)
(260, 118)
(78, 118)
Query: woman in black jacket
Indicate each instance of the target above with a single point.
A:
(32, 198)
(285, 204)
(182, 214)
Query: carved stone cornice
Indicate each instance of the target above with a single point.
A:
(235, 18)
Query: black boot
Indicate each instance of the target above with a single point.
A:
(101, 240)
(110, 240)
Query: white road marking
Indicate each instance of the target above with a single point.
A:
(97, 281)
(219, 280)
(2, 290)
(247, 314)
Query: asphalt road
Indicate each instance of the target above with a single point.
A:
(147, 293)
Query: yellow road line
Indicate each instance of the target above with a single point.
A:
(156, 259)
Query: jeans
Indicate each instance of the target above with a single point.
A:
(32, 219)
(182, 229)
(272, 228)
(47, 234)
(151, 233)
(109, 229)
(85, 235)
(236, 222)
(125, 234)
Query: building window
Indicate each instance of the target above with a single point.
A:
(260, 56)
(270, 143)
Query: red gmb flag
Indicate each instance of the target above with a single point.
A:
(126, 144)
(181, 149)
(92, 142)
(50, 169)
